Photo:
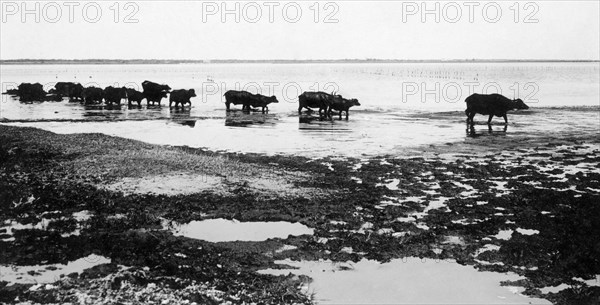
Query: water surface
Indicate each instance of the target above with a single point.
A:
(566, 100)
(222, 230)
(405, 281)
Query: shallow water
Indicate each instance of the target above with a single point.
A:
(49, 273)
(222, 230)
(366, 134)
(374, 85)
(405, 281)
(388, 120)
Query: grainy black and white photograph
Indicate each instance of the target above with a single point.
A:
(300, 152)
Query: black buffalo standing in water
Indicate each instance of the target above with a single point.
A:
(71, 90)
(247, 100)
(134, 96)
(319, 100)
(31, 92)
(237, 98)
(92, 95)
(114, 95)
(492, 105)
(261, 101)
(341, 104)
(181, 96)
(154, 92)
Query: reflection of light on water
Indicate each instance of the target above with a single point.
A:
(404, 281)
(221, 230)
(49, 273)
(365, 134)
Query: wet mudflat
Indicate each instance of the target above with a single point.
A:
(400, 204)
(517, 213)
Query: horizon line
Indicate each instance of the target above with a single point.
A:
(208, 61)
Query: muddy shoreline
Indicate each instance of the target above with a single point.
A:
(458, 201)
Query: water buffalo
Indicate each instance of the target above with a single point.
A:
(92, 95)
(261, 101)
(114, 95)
(237, 98)
(31, 92)
(341, 104)
(154, 92)
(61, 88)
(319, 100)
(76, 93)
(181, 96)
(68, 89)
(134, 96)
(247, 100)
(492, 105)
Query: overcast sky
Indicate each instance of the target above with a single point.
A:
(355, 29)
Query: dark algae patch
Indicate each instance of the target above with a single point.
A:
(529, 207)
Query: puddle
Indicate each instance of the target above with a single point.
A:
(555, 289)
(527, 231)
(392, 184)
(404, 281)
(48, 273)
(222, 230)
(8, 227)
(504, 234)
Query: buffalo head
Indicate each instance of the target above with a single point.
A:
(192, 92)
(354, 102)
(520, 105)
(273, 99)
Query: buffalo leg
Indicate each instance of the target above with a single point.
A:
(505, 119)
(490, 119)
(470, 118)
(227, 105)
(328, 112)
(324, 112)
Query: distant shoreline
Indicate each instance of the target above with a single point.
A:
(284, 61)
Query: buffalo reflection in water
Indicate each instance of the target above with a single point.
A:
(245, 118)
(473, 133)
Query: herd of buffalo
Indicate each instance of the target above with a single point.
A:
(486, 104)
(152, 92)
